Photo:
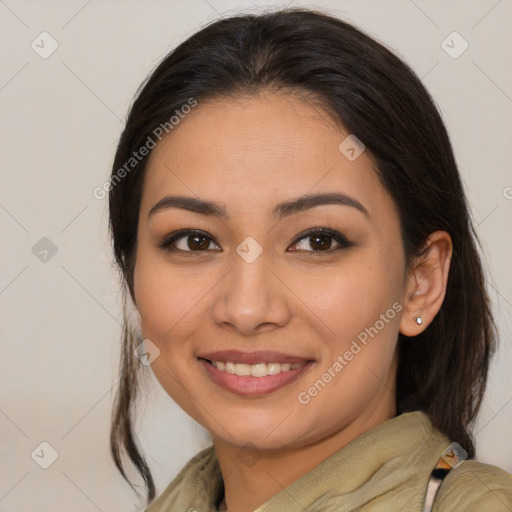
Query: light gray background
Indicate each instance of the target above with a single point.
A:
(60, 121)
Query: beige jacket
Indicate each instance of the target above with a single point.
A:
(386, 469)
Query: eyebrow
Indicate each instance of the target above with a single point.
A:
(302, 203)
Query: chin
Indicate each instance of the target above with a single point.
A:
(270, 432)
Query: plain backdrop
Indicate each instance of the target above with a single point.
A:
(61, 116)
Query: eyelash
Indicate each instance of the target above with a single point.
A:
(344, 243)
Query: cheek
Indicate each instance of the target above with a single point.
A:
(168, 300)
(351, 298)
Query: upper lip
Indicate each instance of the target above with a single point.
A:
(260, 356)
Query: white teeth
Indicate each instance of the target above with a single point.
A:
(255, 370)
(259, 370)
(242, 369)
(273, 368)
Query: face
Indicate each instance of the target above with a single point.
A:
(247, 281)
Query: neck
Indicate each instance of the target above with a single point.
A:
(251, 477)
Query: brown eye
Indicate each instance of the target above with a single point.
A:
(187, 241)
(320, 240)
(197, 242)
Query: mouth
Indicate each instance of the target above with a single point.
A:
(254, 370)
(253, 373)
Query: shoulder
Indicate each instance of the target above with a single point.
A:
(191, 484)
(475, 487)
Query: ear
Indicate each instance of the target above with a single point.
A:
(425, 286)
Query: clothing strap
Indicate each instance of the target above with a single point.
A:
(453, 456)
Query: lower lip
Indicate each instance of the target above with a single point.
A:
(253, 386)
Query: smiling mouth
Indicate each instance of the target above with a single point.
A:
(253, 380)
(254, 370)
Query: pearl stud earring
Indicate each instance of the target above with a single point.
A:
(418, 320)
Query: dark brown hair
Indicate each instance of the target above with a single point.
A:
(377, 97)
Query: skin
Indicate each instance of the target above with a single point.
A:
(250, 154)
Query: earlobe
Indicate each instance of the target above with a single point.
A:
(425, 286)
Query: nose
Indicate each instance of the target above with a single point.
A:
(252, 298)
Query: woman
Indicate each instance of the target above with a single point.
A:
(289, 221)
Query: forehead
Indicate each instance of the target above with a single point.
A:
(253, 152)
